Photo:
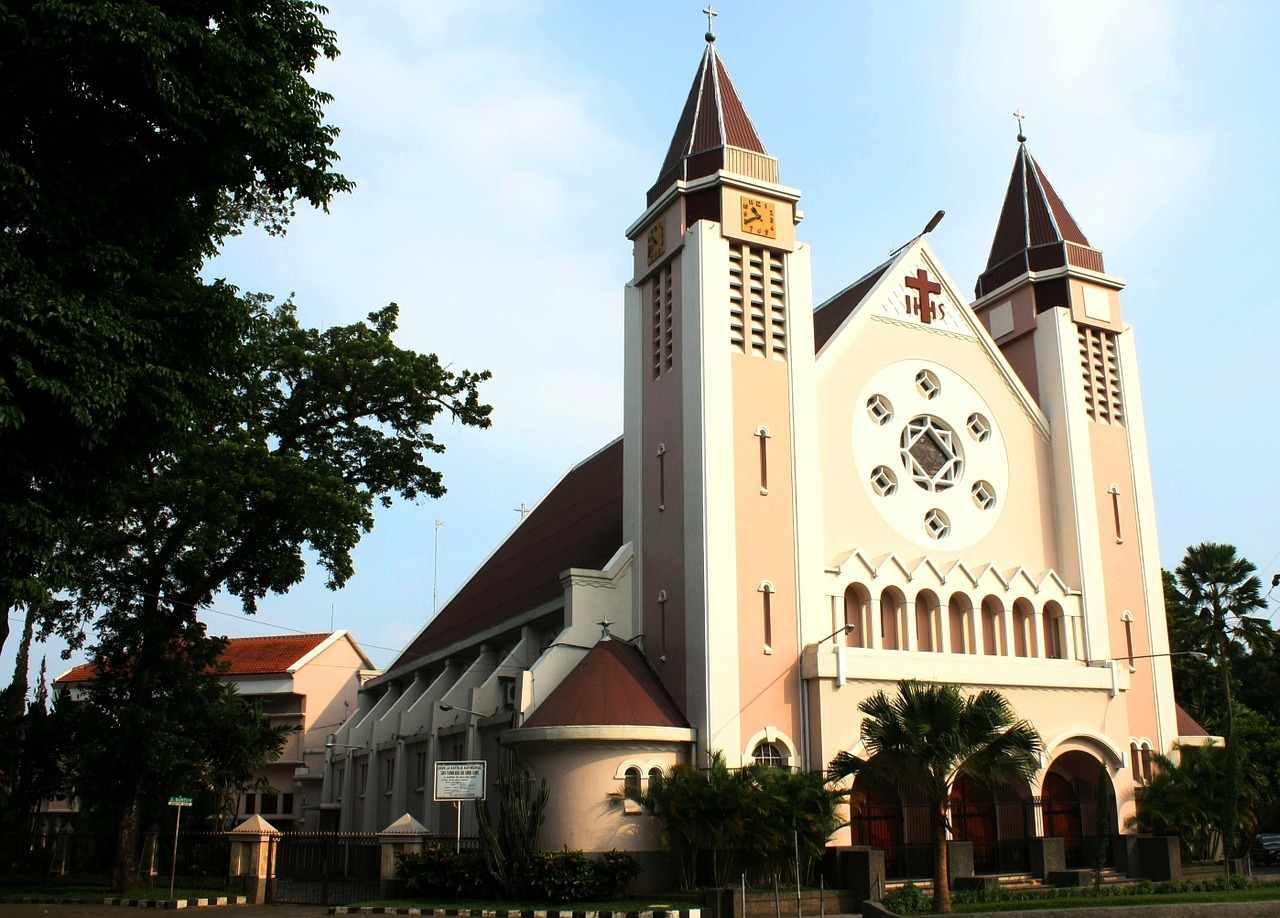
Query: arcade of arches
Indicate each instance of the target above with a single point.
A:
(999, 820)
(892, 621)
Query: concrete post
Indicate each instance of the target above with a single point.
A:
(252, 871)
(404, 836)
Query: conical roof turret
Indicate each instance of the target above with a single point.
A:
(714, 132)
(1035, 231)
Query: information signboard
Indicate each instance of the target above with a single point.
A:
(460, 780)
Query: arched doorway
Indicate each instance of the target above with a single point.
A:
(1069, 805)
(996, 819)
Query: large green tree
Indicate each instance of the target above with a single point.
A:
(307, 435)
(136, 136)
(928, 736)
(1220, 590)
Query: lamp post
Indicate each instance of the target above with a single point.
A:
(1111, 663)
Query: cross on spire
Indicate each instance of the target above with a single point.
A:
(1017, 113)
(710, 14)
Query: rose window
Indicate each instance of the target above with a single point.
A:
(930, 453)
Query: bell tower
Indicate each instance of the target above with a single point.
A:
(1050, 305)
(719, 488)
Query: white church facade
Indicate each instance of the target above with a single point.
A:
(806, 506)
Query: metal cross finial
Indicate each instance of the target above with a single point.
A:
(710, 14)
(1017, 113)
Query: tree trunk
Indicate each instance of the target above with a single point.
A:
(124, 873)
(941, 869)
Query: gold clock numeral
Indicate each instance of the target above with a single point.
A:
(758, 218)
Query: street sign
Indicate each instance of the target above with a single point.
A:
(460, 780)
(179, 801)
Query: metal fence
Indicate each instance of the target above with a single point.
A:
(326, 868)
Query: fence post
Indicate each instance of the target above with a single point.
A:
(252, 869)
(404, 836)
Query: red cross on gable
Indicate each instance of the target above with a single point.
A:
(922, 306)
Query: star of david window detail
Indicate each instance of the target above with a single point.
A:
(930, 453)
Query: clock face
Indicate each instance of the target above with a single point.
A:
(758, 218)
(929, 454)
(657, 241)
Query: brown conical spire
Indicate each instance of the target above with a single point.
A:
(713, 121)
(1035, 231)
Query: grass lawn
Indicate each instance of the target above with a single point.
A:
(1262, 892)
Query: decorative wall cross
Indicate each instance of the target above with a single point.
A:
(922, 305)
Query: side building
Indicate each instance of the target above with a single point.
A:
(807, 505)
(307, 681)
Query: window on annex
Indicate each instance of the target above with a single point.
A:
(770, 754)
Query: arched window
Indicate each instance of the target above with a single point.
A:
(857, 605)
(959, 609)
(631, 782)
(1024, 644)
(891, 608)
(767, 753)
(927, 633)
(1052, 623)
(655, 775)
(992, 627)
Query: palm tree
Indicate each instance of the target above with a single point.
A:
(1221, 590)
(929, 736)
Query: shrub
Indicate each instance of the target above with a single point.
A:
(572, 876)
(908, 900)
(441, 871)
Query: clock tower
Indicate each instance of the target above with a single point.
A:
(721, 480)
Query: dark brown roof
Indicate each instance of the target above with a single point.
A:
(1187, 725)
(828, 317)
(713, 118)
(1035, 230)
(579, 524)
(242, 656)
(611, 686)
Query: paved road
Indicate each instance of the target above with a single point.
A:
(87, 910)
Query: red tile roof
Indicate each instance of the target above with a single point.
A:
(578, 524)
(1187, 725)
(254, 656)
(612, 685)
(713, 118)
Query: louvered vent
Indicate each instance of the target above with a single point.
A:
(1100, 369)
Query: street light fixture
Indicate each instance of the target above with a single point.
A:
(454, 707)
(843, 629)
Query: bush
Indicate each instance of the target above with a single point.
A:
(908, 900)
(557, 876)
(572, 876)
(441, 871)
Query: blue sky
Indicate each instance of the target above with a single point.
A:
(501, 148)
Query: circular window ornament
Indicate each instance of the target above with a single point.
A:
(984, 495)
(883, 481)
(942, 435)
(930, 453)
(927, 383)
(880, 409)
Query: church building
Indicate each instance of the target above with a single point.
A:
(808, 504)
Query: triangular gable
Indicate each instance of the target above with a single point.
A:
(896, 297)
